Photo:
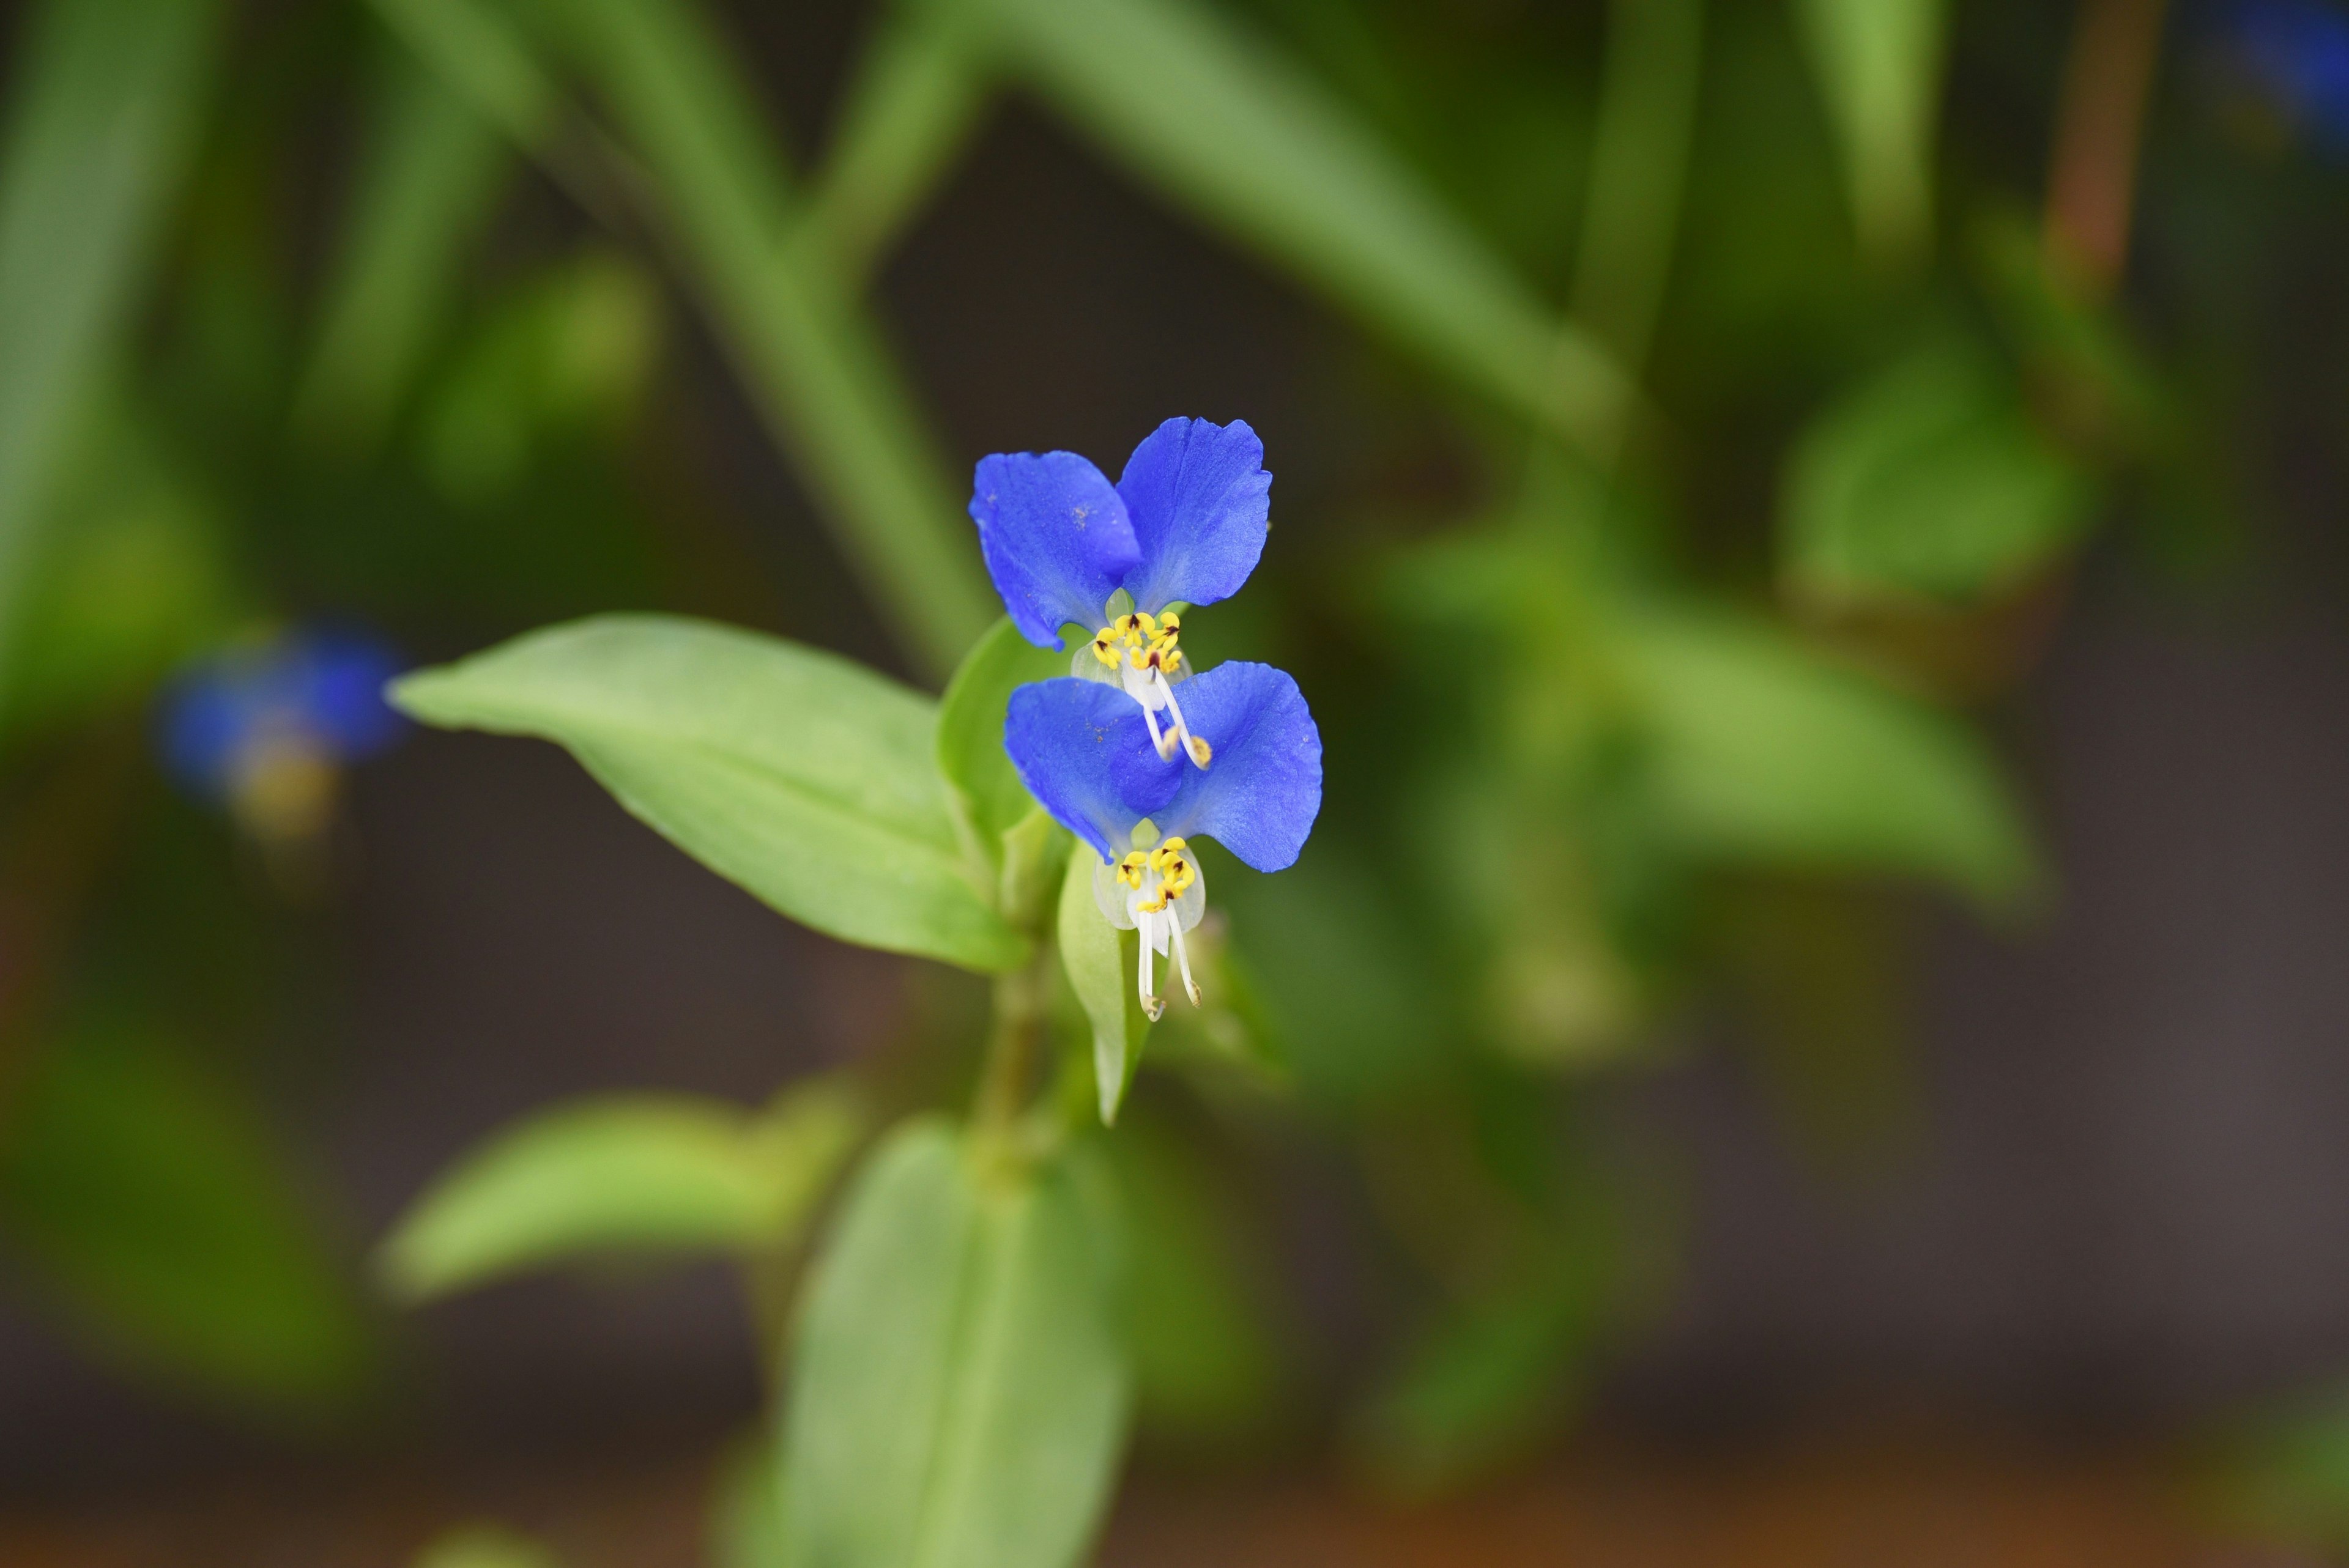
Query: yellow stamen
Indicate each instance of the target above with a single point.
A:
(1130, 870)
(1105, 648)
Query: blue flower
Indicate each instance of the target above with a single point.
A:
(1183, 524)
(263, 728)
(1095, 764)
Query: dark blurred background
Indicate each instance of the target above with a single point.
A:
(1876, 1153)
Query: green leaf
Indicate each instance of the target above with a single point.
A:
(812, 362)
(625, 1172)
(1103, 963)
(1878, 64)
(804, 778)
(100, 124)
(745, 1522)
(1929, 479)
(959, 1399)
(1763, 751)
(149, 1197)
(484, 1546)
(1231, 128)
(425, 190)
(971, 757)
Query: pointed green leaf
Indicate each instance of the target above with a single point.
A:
(1764, 751)
(1234, 129)
(959, 1396)
(1102, 965)
(101, 103)
(622, 1174)
(970, 729)
(1878, 63)
(805, 778)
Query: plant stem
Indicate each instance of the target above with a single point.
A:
(1011, 1047)
(2100, 119)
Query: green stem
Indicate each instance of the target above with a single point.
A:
(1012, 1046)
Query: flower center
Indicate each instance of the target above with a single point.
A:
(1144, 890)
(1144, 653)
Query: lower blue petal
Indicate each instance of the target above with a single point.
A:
(1083, 750)
(1199, 501)
(1260, 795)
(1055, 538)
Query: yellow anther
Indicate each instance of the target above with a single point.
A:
(1174, 869)
(1130, 870)
(1201, 752)
(1105, 648)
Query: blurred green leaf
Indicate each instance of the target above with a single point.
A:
(1878, 64)
(1638, 165)
(803, 777)
(132, 578)
(149, 1196)
(811, 360)
(1230, 127)
(746, 1526)
(958, 1396)
(101, 119)
(1207, 1364)
(624, 1173)
(430, 179)
(1101, 963)
(567, 354)
(484, 1546)
(988, 791)
(915, 101)
(1763, 752)
(1929, 479)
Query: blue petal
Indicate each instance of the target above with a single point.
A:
(1055, 538)
(1260, 796)
(1083, 750)
(1198, 497)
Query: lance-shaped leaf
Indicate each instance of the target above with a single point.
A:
(1232, 128)
(101, 99)
(622, 1173)
(800, 775)
(1878, 64)
(959, 1396)
(1764, 751)
(1101, 961)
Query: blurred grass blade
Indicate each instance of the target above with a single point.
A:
(1647, 112)
(801, 776)
(101, 121)
(480, 55)
(621, 1173)
(1878, 64)
(430, 180)
(958, 1396)
(1233, 130)
(149, 1196)
(916, 98)
(1765, 753)
(812, 361)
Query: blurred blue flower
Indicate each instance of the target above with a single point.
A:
(264, 730)
(2297, 52)
(1096, 766)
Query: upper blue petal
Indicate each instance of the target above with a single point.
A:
(1055, 537)
(1083, 750)
(1260, 795)
(1198, 497)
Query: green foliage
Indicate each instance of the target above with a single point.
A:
(624, 1173)
(99, 131)
(1761, 751)
(958, 1392)
(1235, 130)
(1930, 480)
(149, 1200)
(804, 778)
(1878, 64)
(988, 798)
(1101, 961)
(484, 1546)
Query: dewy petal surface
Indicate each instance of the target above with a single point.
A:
(1084, 751)
(1261, 795)
(1199, 501)
(1055, 537)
